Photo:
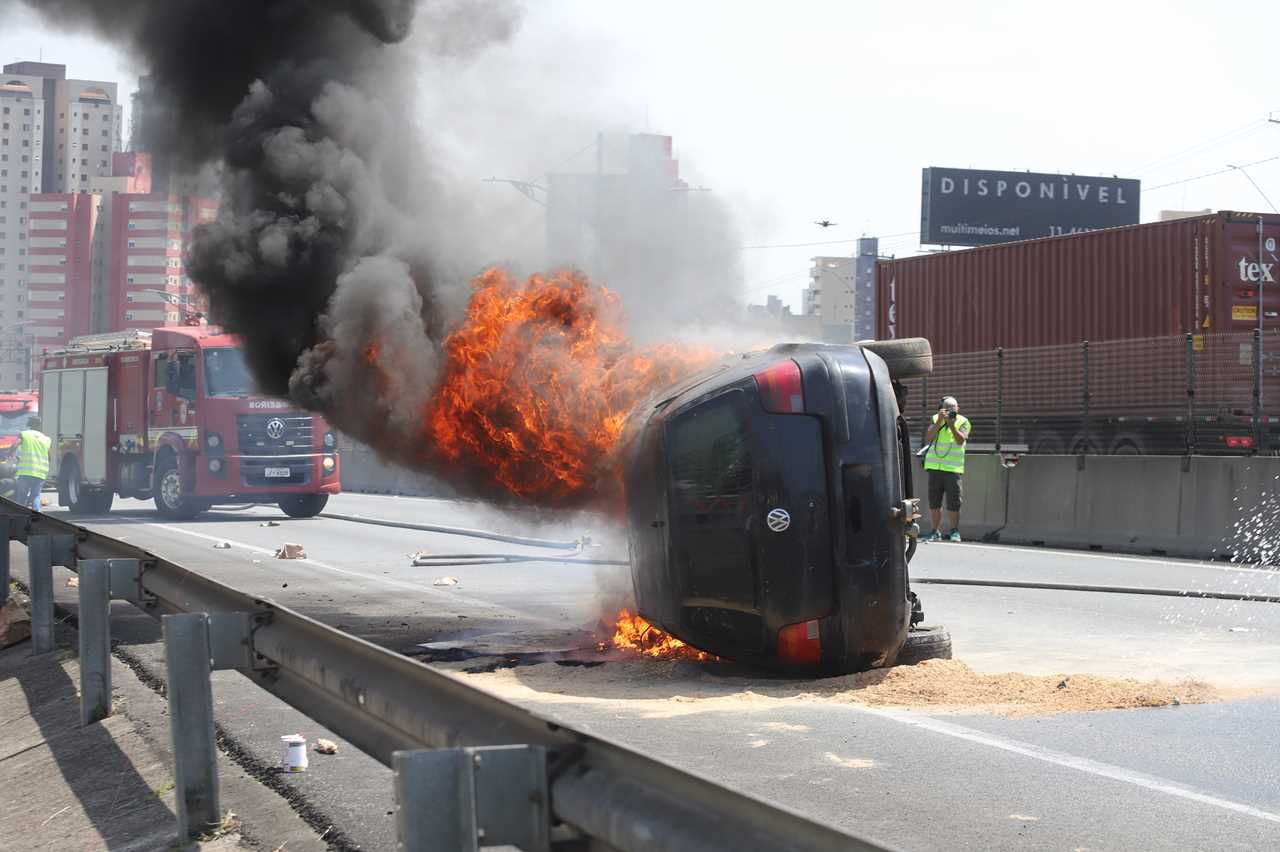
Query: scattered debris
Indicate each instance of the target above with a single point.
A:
(15, 622)
(850, 762)
(222, 545)
(294, 758)
(1024, 818)
(73, 583)
(269, 524)
(291, 551)
(446, 581)
(1237, 630)
(284, 585)
(1062, 684)
(257, 561)
(324, 746)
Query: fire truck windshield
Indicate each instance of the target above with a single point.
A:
(225, 373)
(13, 422)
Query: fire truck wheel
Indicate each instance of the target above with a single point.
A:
(73, 494)
(303, 505)
(908, 358)
(171, 502)
(925, 642)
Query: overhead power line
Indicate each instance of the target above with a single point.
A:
(1227, 170)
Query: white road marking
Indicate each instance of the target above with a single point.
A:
(422, 589)
(1071, 761)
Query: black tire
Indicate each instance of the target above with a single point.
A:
(170, 500)
(303, 505)
(908, 358)
(72, 492)
(101, 500)
(925, 642)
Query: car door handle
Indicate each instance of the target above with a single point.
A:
(658, 524)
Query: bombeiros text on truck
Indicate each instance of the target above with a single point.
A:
(172, 415)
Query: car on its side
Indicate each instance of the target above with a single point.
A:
(771, 509)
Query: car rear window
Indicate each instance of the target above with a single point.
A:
(711, 457)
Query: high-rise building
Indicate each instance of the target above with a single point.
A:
(842, 294)
(637, 226)
(56, 135)
(146, 284)
(830, 296)
(22, 138)
(83, 127)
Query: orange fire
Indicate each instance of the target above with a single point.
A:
(538, 382)
(633, 633)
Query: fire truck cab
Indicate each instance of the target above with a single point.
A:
(172, 415)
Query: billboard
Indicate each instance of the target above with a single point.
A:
(971, 207)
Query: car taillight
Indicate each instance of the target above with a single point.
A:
(780, 388)
(1239, 442)
(800, 643)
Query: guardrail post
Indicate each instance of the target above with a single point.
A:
(95, 640)
(195, 755)
(40, 572)
(466, 798)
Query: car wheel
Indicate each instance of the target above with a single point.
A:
(909, 358)
(925, 642)
(171, 501)
(303, 505)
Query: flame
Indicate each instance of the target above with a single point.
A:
(634, 633)
(538, 382)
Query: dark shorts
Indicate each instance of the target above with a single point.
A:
(944, 482)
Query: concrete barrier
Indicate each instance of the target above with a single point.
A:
(363, 472)
(1201, 507)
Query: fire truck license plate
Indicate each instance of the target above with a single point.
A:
(278, 471)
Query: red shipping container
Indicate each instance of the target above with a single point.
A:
(1197, 275)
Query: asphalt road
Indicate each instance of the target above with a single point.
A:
(1193, 776)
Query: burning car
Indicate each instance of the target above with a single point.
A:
(771, 509)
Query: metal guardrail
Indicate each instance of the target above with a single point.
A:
(471, 769)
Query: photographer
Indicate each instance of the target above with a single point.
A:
(944, 462)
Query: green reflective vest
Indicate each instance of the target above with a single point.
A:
(33, 454)
(944, 453)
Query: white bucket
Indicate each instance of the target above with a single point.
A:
(295, 753)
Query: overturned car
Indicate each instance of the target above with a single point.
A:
(771, 509)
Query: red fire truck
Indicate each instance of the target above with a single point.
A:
(172, 415)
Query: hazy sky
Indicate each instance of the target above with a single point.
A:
(828, 110)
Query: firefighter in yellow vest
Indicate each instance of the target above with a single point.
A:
(33, 463)
(944, 463)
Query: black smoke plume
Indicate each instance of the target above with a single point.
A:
(301, 107)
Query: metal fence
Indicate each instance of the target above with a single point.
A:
(1201, 393)
(471, 770)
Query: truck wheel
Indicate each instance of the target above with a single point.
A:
(908, 358)
(925, 642)
(71, 491)
(303, 505)
(170, 501)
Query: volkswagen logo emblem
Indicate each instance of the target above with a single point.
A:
(275, 428)
(778, 520)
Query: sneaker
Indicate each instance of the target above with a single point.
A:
(933, 536)
(955, 535)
